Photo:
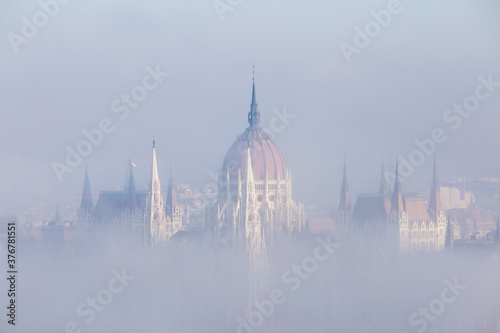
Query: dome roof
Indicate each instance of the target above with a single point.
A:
(265, 154)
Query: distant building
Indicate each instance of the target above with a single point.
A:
(140, 216)
(454, 198)
(255, 190)
(401, 222)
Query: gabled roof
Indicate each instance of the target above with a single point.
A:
(372, 207)
(111, 203)
(415, 208)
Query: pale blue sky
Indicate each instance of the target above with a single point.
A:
(394, 92)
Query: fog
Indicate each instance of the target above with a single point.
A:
(423, 88)
(204, 289)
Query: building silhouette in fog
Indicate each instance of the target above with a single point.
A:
(254, 201)
(395, 221)
(139, 216)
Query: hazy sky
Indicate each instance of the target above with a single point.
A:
(395, 90)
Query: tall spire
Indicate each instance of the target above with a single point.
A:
(155, 186)
(155, 211)
(171, 193)
(253, 114)
(131, 195)
(155, 181)
(253, 227)
(86, 205)
(397, 199)
(434, 200)
(345, 200)
(384, 187)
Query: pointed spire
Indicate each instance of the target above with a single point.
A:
(131, 195)
(384, 187)
(155, 211)
(397, 199)
(86, 205)
(253, 114)
(154, 168)
(435, 199)
(154, 182)
(171, 193)
(345, 200)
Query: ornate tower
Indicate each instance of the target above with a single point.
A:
(156, 229)
(272, 188)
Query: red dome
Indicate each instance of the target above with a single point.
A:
(266, 156)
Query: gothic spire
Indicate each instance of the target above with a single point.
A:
(131, 195)
(397, 199)
(345, 200)
(155, 199)
(253, 114)
(154, 168)
(384, 187)
(435, 200)
(86, 204)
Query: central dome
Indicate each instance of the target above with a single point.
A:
(267, 159)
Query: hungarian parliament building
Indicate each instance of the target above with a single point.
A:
(254, 205)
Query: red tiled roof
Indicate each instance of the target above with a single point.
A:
(416, 209)
(266, 156)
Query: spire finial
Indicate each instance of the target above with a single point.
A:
(345, 201)
(253, 114)
(397, 186)
(153, 143)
